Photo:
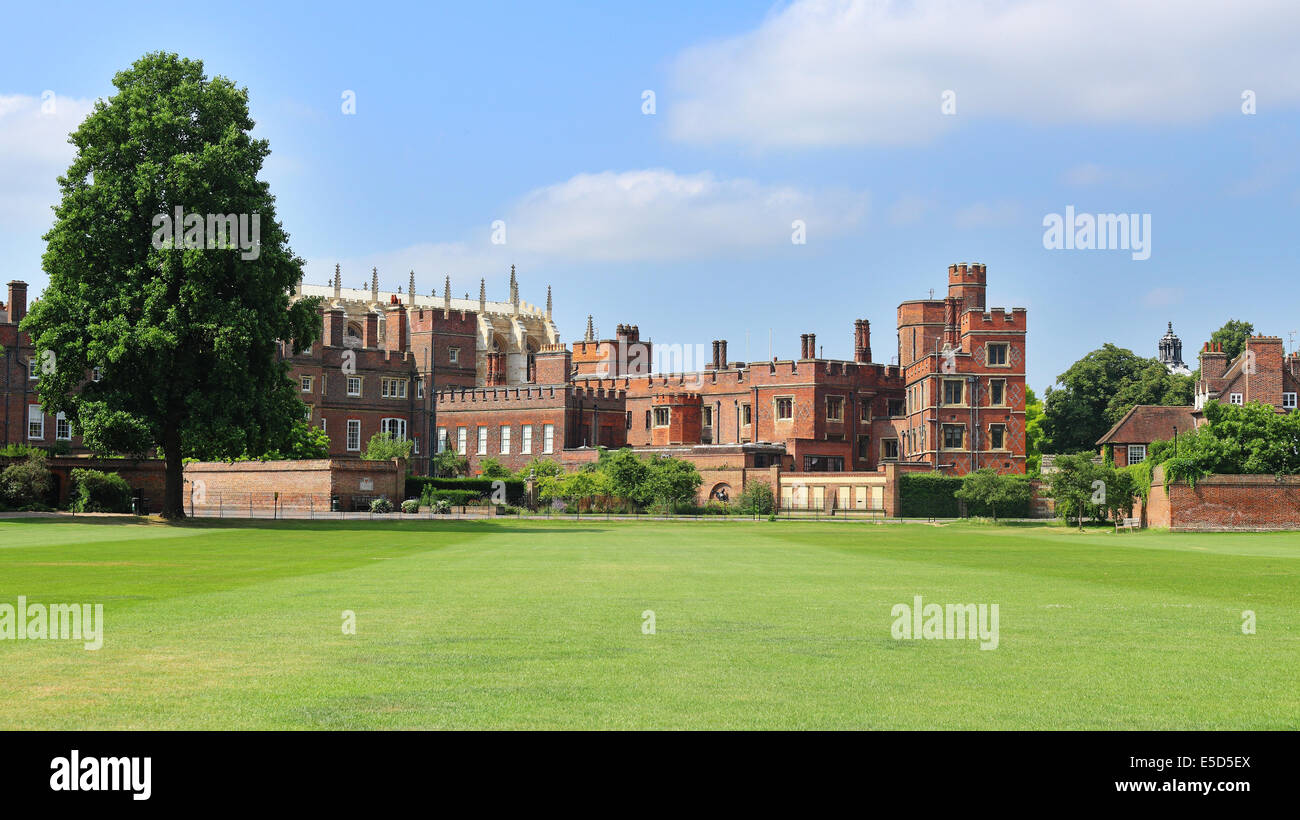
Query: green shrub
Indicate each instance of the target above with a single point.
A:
(25, 485)
(478, 487)
(381, 505)
(756, 499)
(383, 447)
(492, 468)
(95, 491)
(923, 495)
(454, 498)
(441, 506)
(411, 506)
(20, 451)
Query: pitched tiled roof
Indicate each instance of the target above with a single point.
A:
(1146, 423)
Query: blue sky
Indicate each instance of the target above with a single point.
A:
(681, 221)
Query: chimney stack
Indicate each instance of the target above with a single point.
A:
(862, 341)
(395, 331)
(335, 321)
(370, 330)
(722, 355)
(1214, 362)
(17, 301)
(812, 346)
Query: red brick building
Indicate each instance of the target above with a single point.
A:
(1262, 373)
(491, 379)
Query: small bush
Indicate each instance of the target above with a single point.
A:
(20, 451)
(382, 447)
(715, 507)
(95, 491)
(381, 505)
(25, 484)
(411, 505)
(756, 499)
(441, 506)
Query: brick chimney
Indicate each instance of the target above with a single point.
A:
(713, 363)
(722, 354)
(395, 330)
(1214, 362)
(370, 330)
(335, 322)
(951, 306)
(17, 301)
(554, 362)
(862, 341)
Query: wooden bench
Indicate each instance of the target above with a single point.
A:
(1128, 524)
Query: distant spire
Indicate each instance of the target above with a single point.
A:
(446, 298)
(338, 279)
(548, 301)
(411, 290)
(374, 284)
(482, 296)
(514, 290)
(591, 333)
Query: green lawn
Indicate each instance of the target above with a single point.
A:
(226, 625)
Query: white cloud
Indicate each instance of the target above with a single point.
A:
(629, 216)
(819, 73)
(34, 151)
(658, 214)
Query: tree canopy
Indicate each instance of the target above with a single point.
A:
(1233, 336)
(987, 486)
(185, 331)
(1096, 391)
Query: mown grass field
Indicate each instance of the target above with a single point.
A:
(238, 625)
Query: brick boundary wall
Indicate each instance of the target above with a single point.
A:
(1224, 503)
(146, 475)
(306, 484)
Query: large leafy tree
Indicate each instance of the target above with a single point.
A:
(1096, 391)
(1233, 336)
(187, 339)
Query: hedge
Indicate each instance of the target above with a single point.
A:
(95, 491)
(480, 487)
(456, 498)
(922, 495)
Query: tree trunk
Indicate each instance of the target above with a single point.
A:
(174, 482)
